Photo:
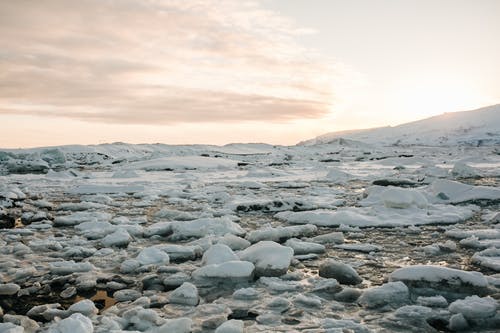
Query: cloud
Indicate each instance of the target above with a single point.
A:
(157, 62)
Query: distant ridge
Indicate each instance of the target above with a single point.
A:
(480, 127)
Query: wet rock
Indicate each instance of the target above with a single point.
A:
(7, 221)
(152, 282)
(343, 273)
(186, 294)
(9, 289)
(348, 295)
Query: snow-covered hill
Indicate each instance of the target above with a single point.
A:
(479, 127)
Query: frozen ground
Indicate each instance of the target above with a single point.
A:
(338, 237)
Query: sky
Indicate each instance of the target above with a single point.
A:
(221, 71)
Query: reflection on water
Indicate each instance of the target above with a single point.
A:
(18, 223)
(100, 298)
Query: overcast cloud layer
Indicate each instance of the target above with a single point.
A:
(153, 62)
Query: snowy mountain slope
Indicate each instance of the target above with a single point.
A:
(476, 128)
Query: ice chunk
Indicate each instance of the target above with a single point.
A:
(475, 307)
(439, 280)
(80, 217)
(86, 307)
(230, 269)
(231, 326)
(153, 256)
(234, 242)
(69, 267)
(462, 170)
(218, 254)
(455, 192)
(118, 238)
(489, 258)
(269, 258)
(281, 233)
(184, 163)
(392, 294)
(186, 294)
(301, 247)
(76, 323)
(9, 289)
(218, 226)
